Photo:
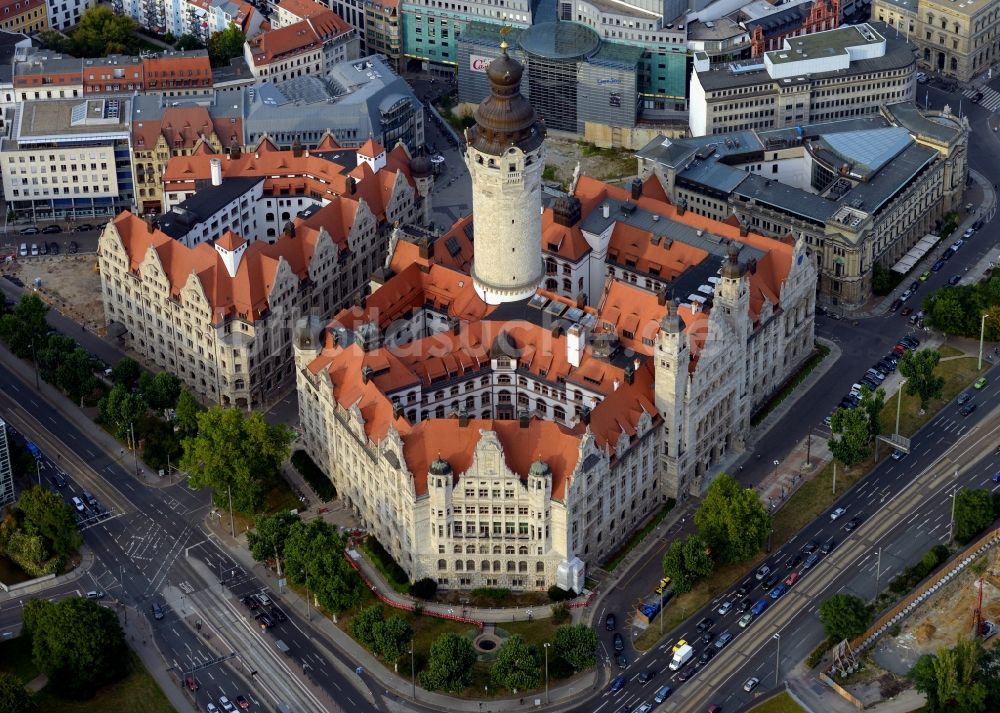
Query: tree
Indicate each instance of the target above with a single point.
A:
(424, 588)
(844, 616)
(14, 697)
(732, 520)
(186, 414)
(236, 450)
(392, 638)
(314, 558)
(188, 42)
(925, 680)
(126, 372)
(576, 644)
(120, 409)
(160, 391)
(450, 665)
(78, 644)
(364, 625)
(918, 368)
(54, 40)
(268, 538)
(25, 326)
(516, 666)
(973, 513)
(224, 45)
(686, 561)
(44, 513)
(851, 447)
(872, 404)
(101, 32)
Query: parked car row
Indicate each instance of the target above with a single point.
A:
(876, 374)
(44, 248)
(268, 614)
(54, 229)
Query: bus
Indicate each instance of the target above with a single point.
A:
(33, 449)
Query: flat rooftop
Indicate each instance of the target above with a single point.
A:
(41, 120)
(825, 44)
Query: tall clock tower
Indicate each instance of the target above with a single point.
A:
(505, 156)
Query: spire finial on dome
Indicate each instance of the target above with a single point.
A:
(504, 31)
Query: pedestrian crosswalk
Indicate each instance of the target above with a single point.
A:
(990, 100)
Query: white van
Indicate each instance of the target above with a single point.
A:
(78, 504)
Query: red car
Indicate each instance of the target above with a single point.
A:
(906, 311)
(792, 579)
(242, 702)
(192, 683)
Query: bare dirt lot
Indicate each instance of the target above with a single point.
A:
(70, 284)
(562, 155)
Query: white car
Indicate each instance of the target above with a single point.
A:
(957, 244)
(211, 708)
(837, 513)
(725, 608)
(226, 704)
(969, 233)
(763, 572)
(751, 684)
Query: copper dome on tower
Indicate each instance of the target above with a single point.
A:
(505, 118)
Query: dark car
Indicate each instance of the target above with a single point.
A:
(707, 654)
(744, 605)
(744, 589)
(242, 702)
(30, 230)
(914, 285)
(936, 267)
(609, 622)
(278, 615)
(810, 561)
(964, 397)
(707, 637)
(60, 482)
(73, 247)
(646, 676)
(705, 624)
(54, 248)
(829, 545)
(810, 547)
(266, 622)
(619, 642)
(622, 661)
(43, 248)
(794, 561)
(686, 673)
(192, 683)
(770, 582)
(910, 341)
(953, 280)
(853, 523)
(967, 409)
(51, 229)
(618, 684)
(83, 227)
(157, 611)
(977, 225)
(250, 601)
(896, 304)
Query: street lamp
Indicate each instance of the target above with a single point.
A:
(413, 675)
(982, 333)
(951, 523)
(899, 403)
(777, 657)
(546, 646)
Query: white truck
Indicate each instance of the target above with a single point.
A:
(682, 655)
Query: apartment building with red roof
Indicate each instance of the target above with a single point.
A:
(308, 47)
(514, 442)
(288, 12)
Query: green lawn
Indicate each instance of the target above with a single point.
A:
(947, 351)
(535, 633)
(781, 703)
(136, 693)
(958, 375)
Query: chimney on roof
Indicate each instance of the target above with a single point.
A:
(585, 415)
(366, 373)
(297, 149)
(463, 418)
(636, 189)
(581, 300)
(606, 210)
(216, 166)
(615, 384)
(290, 229)
(636, 364)
(150, 225)
(523, 418)
(744, 229)
(682, 206)
(629, 375)
(352, 186)
(576, 342)
(557, 330)
(234, 148)
(423, 248)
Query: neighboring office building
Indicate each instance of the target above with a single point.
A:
(847, 72)
(68, 159)
(312, 46)
(769, 25)
(958, 39)
(7, 494)
(42, 74)
(515, 440)
(858, 191)
(64, 14)
(222, 310)
(233, 78)
(645, 43)
(23, 15)
(360, 99)
(383, 32)
(162, 129)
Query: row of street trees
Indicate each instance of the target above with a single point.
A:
(39, 532)
(732, 527)
(959, 309)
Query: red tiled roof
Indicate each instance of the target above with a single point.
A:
(292, 39)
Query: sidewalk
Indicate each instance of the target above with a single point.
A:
(143, 643)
